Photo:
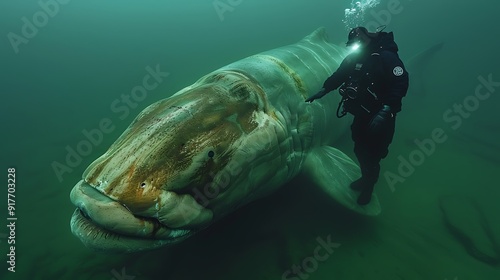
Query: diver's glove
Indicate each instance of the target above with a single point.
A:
(318, 95)
(380, 119)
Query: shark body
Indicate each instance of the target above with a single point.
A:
(234, 136)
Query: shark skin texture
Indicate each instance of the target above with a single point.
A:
(236, 135)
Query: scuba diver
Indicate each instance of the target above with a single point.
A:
(372, 81)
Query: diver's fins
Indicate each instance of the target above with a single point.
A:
(334, 171)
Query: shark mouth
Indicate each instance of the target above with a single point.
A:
(104, 224)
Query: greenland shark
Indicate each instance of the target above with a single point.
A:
(236, 135)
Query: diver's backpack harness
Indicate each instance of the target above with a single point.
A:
(358, 98)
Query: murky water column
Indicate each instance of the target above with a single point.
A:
(355, 16)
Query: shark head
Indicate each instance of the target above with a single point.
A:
(182, 163)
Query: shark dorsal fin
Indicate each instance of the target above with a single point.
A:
(318, 35)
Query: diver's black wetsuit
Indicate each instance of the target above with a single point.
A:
(378, 68)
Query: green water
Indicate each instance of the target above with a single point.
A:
(71, 73)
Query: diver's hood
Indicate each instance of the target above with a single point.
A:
(384, 41)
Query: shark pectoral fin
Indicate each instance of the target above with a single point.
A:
(334, 171)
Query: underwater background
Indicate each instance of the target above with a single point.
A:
(64, 66)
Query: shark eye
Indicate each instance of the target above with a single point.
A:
(211, 154)
(143, 185)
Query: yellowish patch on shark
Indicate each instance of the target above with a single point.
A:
(178, 143)
(299, 84)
